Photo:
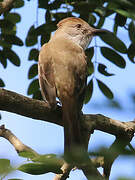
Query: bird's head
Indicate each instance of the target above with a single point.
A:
(78, 30)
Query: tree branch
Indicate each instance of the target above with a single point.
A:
(66, 168)
(17, 144)
(39, 110)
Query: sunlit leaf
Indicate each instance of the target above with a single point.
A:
(103, 70)
(4, 166)
(89, 91)
(114, 42)
(33, 87)
(41, 157)
(33, 71)
(41, 168)
(124, 7)
(28, 154)
(104, 89)
(12, 56)
(129, 14)
(113, 56)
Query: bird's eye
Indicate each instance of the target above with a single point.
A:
(78, 25)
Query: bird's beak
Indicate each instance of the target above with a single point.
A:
(97, 32)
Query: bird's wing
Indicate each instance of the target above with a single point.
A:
(46, 76)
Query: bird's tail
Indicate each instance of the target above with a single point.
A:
(72, 127)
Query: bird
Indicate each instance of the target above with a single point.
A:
(62, 70)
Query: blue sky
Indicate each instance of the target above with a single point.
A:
(48, 138)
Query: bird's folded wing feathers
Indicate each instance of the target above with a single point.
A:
(46, 77)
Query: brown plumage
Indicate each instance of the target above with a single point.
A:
(62, 73)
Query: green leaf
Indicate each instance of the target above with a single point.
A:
(89, 53)
(33, 71)
(12, 56)
(18, 3)
(31, 38)
(33, 55)
(101, 11)
(3, 60)
(12, 39)
(124, 178)
(114, 42)
(48, 16)
(55, 4)
(92, 19)
(100, 22)
(2, 84)
(4, 44)
(37, 95)
(33, 87)
(113, 56)
(90, 68)
(85, 7)
(115, 28)
(131, 53)
(15, 179)
(6, 24)
(13, 17)
(105, 90)
(44, 158)
(48, 27)
(41, 168)
(102, 69)
(4, 166)
(89, 91)
(60, 15)
(120, 20)
(124, 7)
(45, 38)
(132, 32)
(11, 31)
(43, 4)
(28, 154)
(128, 14)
